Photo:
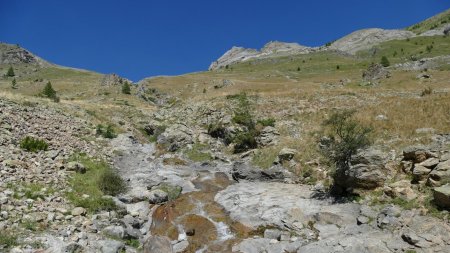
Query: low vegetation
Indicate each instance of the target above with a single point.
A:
(32, 144)
(49, 92)
(8, 239)
(90, 188)
(106, 132)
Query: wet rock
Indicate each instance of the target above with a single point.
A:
(157, 244)
(158, 196)
(442, 196)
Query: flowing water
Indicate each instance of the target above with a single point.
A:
(196, 217)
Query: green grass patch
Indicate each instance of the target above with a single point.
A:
(99, 180)
(32, 144)
(264, 158)
(197, 154)
(8, 239)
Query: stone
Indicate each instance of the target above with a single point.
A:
(114, 231)
(244, 171)
(366, 171)
(158, 196)
(430, 163)
(76, 166)
(440, 174)
(442, 196)
(285, 154)
(268, 136)
(77, 211)
(111, 246)
(180, 246)
(417, 153)
(272, 234)
(175, 137)
(420, 173)
(157, 244)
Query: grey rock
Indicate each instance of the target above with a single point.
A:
(268, 136)
(285, 154)
(110, 246)
(158, 196)
(180, 246)
(157, 244)
(114, 231)
(440, 175)
(442, 196)
(175, 137)
(77, 211)
(244, 171)
(76, 166)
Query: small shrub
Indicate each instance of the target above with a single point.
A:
(10, 72)
(48, 91)
(245, 141)
(14, 84)
(108, 133)
(216, 130)
(266, 122)
(111, 183)
(33, 145)
(385, 62)
(7, 239)
(244, 118)
(426, 91)
(338, 67)
(345, 136)
(126, 89)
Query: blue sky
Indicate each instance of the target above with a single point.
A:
(137, 39)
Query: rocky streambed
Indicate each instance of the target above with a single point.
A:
(200, 208)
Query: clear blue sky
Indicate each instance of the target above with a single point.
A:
(137, 39)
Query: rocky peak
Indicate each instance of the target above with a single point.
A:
(235, 54)
(277, 46)
(14, 54)
(113, 79)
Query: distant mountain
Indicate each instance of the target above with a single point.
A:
(350, 44)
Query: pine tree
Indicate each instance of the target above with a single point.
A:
(14, 84)
(385, 62)
(126, 89)
(10, 72)
(49, 91)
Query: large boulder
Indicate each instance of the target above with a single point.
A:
(175, 137)
(366, 171)
(157, 244)
(417, 153)
(442, 196)
(243, 171)
(268, 136)
(440, 175)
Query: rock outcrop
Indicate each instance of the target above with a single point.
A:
(14, 54)
(367, 38)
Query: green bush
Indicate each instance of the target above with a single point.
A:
(111, 183)
(14, 84)
(346, 135)
(245, 141)
(244, 118)
(126, 89)
(7, 239)
(385, 62)
(89, 188)
(108, 133)
(10, 72)
(49, 92)
(267, 122)
(32, 144)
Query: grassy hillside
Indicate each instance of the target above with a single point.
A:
(434, 22)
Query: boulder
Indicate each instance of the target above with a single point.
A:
(175, 137)
(366, 171)
(77, 167)
(114, 231)
(286, 154)
(111, 246)
(243, 171)
(158, 196)
(268, 136)
(157, 244)
(417, 153)
(420, 173)
(442, 196)
(77, 211)
(440, 175)
(375, 72)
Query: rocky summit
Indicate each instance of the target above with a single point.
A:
(343, 147)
